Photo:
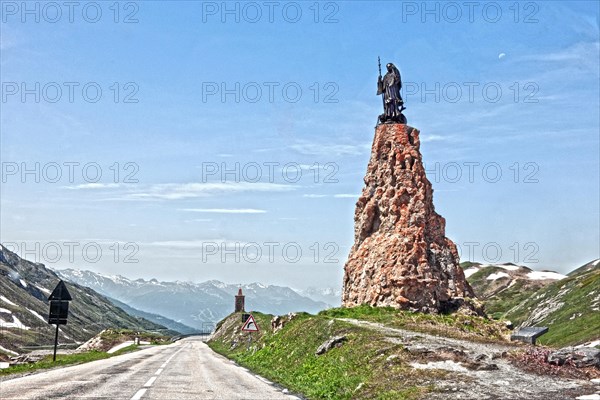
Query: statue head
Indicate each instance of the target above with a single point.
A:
(389, 66)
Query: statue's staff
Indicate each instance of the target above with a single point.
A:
(380, 84)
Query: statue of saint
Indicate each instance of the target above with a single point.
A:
(389, 86)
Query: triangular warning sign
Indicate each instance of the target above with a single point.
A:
(250, 325)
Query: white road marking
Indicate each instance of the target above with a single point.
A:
(139, 394)
(150, 382)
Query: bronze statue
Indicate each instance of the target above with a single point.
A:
(389, 87)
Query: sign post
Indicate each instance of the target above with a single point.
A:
(59, 309)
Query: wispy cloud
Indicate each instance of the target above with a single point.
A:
(194, 244)
(179, 191)
(583, 55)
(225, 210)
(336, 150)
(85, 186)
(336, 196)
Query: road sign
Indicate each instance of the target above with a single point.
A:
(60, 292)
(59, 309)
(59, 304)
(250, 325)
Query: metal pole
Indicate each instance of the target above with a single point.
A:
(55, 343)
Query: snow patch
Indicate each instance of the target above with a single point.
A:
(447, 365)
(36, 314)
(23, 283)
(15, 324)
(4, 310)
(470, 271)
(596, 262)
(541, 275)
(120, 346)
(497, 275)
(589, 397)
(4, 299)
(43, 289)
(9, 351)
(506, 267)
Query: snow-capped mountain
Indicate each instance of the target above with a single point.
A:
(24, 290)
(329, 295)
(199, 305)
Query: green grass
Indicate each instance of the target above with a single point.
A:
(362, 367)
(453, 325)
(64, 360)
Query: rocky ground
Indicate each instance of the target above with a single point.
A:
(481, 370)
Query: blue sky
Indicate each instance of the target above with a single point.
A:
(217, 128)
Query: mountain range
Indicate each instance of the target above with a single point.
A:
(196, 305)
(24, 289)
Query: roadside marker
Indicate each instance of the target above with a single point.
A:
(250, 325)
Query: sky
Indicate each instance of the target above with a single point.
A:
(190, 140)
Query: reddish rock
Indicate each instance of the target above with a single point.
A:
(401, 256)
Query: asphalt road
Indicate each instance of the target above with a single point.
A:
(187, 369)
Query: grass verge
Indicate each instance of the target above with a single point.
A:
(64, 360)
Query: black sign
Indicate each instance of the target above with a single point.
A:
(60, 292)
(59, 312)
(59, 304)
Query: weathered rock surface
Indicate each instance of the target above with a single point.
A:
(579, 357)
(330, 344)
(401, 257)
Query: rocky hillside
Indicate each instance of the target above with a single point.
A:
(567, 304)
(198, 305)
(24, 288)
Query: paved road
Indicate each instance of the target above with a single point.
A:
(188, 369)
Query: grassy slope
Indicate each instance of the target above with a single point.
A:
(523, 300)
(576, 321)
(366, 365)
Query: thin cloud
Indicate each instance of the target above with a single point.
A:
(194, 244)
(336, 196)
(93, 186)
(338, 150)
(178, 191)
(225, 210)
(583, 55)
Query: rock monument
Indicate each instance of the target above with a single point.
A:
(401, 256)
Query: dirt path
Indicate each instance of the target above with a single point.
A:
(477, 370)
